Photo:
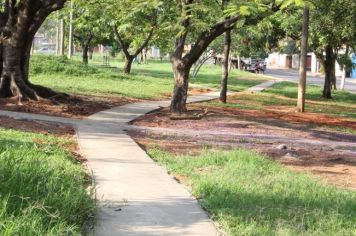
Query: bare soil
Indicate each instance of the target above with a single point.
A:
(295, 140)
(75, 106)
(192, 91)
(36, 126)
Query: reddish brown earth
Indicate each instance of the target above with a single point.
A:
(191, 91)
(36, 126)
(283, 113)
(252, 129)
(76, 107)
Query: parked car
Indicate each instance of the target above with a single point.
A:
(256, 66)
(46, 50)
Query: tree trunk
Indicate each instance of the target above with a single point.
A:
(329, 67)
(85, 54)
(128, 64)
(303, 63)
(225, 66)
(180, 92)
(22, 21)
(14, 73)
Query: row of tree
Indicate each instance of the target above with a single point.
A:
(248, 26)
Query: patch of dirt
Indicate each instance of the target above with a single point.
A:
(36, 126)
(330, 155)
(192, 91)
(285, 116)
(76, 106)
(197, 91)
(45, 128)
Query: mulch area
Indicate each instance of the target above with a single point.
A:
(77, 106)
(161, 118)
(36, 127)
(74, 106)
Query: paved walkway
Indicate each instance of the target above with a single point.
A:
(135, 195)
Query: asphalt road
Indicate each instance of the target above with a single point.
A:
(293, 76)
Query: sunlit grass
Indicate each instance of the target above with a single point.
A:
(251, 195)
(151, 81)
(343, 103)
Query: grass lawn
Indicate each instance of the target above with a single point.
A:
(285, 94)
(251, 195)
(42, 187)
(146, 81)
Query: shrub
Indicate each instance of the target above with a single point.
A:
(43, 64)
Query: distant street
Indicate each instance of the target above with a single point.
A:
(293, 76)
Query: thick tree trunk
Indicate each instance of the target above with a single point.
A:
(14, 78)
(180, 92)
(22, 20)
(329, 66)
(15, 75)
(225, 66)
(128, 64)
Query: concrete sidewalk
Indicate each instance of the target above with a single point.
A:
(135, 195)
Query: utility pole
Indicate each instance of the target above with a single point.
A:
(61, 38)
(58, 35)
(70, 41)
(343, 79)
(303, 62)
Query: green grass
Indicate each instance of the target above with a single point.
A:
(251, 195)
(42, 187)
(314, 93)
(150, 81)
(343, 103)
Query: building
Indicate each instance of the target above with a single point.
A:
(285, 61)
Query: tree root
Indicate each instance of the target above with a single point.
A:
(184, 116)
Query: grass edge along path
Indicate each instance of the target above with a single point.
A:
(43, 189)
(247, 194)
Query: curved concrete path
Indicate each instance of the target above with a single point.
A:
(135, 195)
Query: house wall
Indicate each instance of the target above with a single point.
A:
(278, 60)
(295, 61)
(155, 53)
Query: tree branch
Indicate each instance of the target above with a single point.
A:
(145, 43)
(180, 41)
(207, 37)
(122, 43)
